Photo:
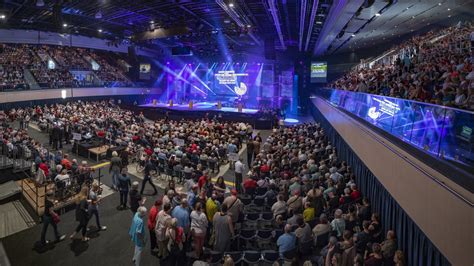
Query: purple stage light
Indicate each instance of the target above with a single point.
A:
(168, 63)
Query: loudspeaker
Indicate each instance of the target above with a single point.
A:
(270, 49)
(181, 51)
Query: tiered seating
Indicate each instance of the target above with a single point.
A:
(434, 68)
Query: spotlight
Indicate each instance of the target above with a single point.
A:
(353, 35)
(152, 21)
(65, 25)
(249, 26)
(377, 14)
(449, 9)
(231, 4)
(98, 15)
(39, 3)
(440, 4)
(99, 30)
(2, 16)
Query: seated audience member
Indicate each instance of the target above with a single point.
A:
(287, 241)
(375, 258)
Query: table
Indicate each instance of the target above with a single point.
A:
(99, 151)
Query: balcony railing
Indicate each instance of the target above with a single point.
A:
(443, 132)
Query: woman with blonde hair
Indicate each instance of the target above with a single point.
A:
(82, 213)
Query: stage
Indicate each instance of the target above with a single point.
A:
(257, 119)
(200, 106)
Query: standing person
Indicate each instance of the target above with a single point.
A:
(81, 214)
(199, 226)
(94, 200)
(124, 186)
(152, 222)
(114, 169)
(239, 170)
(136, 198)
(137, 234)
(124, 157)
(147, 176)
(250, 152)
(162, 222)
(223, 230)
(48, 219)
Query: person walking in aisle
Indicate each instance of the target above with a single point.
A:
(239, 170)
(115, 166)
(124, 187)
(147, 176)
(81, 214)
(49, 220)
(137, 234)
(94, 200)
(152, 223)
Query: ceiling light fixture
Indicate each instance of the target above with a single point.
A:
(99, 30)
(440, 4)
(152, 21)
(377, 14)
(231, 4)
(65, 25)
(249, 26)
(98, 15)
(39, 3)
(449, 9)
(353, 35)
(2, 16)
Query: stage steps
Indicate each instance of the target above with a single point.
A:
(14, 218)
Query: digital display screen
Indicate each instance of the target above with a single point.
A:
(228, 81)
(319, 72)
(145, 71)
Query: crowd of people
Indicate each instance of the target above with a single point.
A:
(39, 59)
(305, 198)
(436, 68)
(294, 196)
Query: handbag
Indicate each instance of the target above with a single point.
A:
(55, 217)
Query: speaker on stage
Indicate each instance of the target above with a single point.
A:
(154, 102)
(190, 104)
(171, 103)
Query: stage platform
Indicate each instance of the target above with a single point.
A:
(200, 106)
(231, 114)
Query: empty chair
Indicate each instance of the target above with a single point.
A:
(246, 236)
(252, 257)
(251, 219)
(265, 238)
(245, 199)
(216, 258)
(322, 240)
(266, 220)
(305, 248)
(270, 256)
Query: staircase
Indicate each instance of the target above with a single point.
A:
(30, 80)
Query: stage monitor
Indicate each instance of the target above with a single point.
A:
(319, 72)
(145, 71)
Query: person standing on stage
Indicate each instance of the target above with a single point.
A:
(137, 234)
(94, 199)
(48, 220)
(239, 170)
(147, 176)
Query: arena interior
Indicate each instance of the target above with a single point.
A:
(237, 132)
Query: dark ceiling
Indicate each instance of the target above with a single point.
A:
(314, 26)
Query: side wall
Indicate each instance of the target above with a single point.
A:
(433, 225)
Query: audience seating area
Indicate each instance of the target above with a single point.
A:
(15, 59)
(436, 68)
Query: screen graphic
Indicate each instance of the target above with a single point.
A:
(319, 72)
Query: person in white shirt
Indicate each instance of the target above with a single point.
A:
(239, 170)
(63, 177)
(199, 224)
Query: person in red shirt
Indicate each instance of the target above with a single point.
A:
(203, 180)
(45, 169)
(66, 163)
(355, 194)
(152, 222)
(148, 151)
(250, 185)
